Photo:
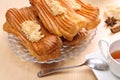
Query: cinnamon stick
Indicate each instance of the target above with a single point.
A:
(115, 28)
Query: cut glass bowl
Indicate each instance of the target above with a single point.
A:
(66, 51)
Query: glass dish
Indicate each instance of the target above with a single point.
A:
(66, 51)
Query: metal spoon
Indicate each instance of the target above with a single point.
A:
(94, 63)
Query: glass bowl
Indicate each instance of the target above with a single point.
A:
(67, 52)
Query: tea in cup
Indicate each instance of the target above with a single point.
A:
(111, 54)
(116, 55)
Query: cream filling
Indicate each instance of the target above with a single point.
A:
(32, 31)
(74, 4)
(56, 7)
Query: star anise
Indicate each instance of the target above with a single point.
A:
(110, 21)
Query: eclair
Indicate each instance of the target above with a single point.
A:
(31, 32)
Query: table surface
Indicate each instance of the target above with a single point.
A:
(13, 68)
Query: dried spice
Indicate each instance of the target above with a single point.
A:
(110, 21)
(115, 28)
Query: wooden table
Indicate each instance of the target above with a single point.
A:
(13, 68)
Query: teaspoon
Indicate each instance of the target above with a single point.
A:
(95, 63)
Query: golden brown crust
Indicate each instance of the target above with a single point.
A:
(91, 13)
(80, 37)
(9, 29)
(66, 25)
(48, 45)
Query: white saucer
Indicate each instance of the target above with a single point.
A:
(102, 75)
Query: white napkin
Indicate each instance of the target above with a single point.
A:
(102, 75)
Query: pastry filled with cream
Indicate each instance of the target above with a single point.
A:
(47, 25)
(59, 18)
(90, 12)
(40, 43)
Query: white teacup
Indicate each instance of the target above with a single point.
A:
(106, 52)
